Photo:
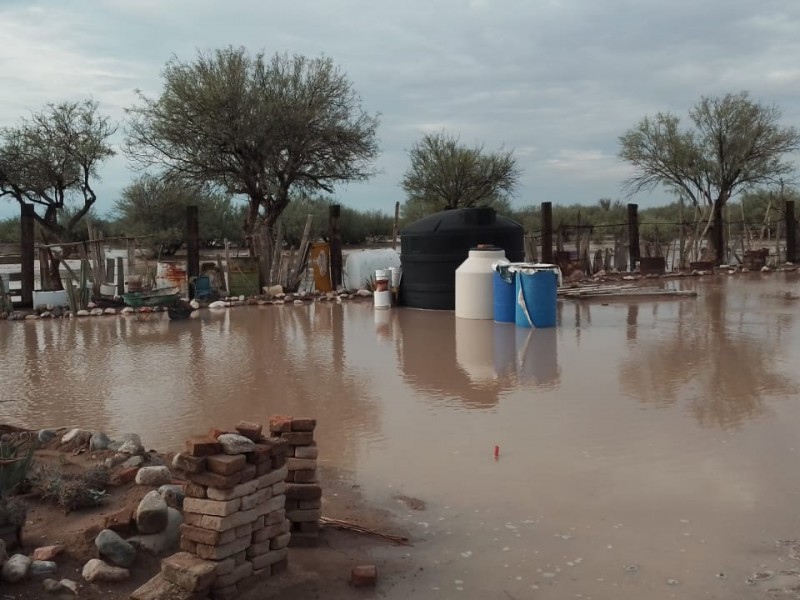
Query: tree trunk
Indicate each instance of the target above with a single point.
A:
(718, 234)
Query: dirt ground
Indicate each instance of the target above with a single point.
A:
(321, 572)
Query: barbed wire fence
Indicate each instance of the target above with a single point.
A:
(664, 245)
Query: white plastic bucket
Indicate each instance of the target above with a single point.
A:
(396, 272)
(382, 299)
(382, 279)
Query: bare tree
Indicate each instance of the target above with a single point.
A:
(255, 126)
(446, 174)
(736, 144)
(54, 157)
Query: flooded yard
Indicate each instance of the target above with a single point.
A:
(647, 449)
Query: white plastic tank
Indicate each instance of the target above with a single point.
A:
(474, 283)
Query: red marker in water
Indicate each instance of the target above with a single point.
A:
(497, 451)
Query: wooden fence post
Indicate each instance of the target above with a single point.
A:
(547, 233)
(335, 237)
(120, 276)
(633, 234)
(791, 231)
(27, 254)
(192, 246)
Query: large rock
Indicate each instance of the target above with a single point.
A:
(153, 476)
(173, 495)
(112, 546)
(133, 462)
(76, 435)
(47, 552)
(152, 514)
(97, 570)
(62, 588)
(130, 443)
(41, 568)
(45, 435)
(164, 541)
(99, 441)
(235, 444)
(16, 568)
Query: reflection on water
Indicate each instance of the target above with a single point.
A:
(635, 432)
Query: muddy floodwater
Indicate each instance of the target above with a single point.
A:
(647, 449)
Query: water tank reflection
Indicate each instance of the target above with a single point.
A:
(537, 357)
(474, 360)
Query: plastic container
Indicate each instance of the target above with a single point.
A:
(383, 278)
(382, 299)
(435, 246)
(474, 288)
(536, 295)
(396, 275)
(505, 307)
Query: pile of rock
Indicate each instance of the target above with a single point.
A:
(303, 492)
(235, 527)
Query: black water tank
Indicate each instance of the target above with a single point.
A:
(432, 248)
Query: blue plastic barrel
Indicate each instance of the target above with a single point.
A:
(536, 297)
(504, 304)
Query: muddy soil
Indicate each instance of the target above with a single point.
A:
(321, 572)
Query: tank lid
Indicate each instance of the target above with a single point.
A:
(468, 219)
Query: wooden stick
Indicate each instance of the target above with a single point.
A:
(339, 524)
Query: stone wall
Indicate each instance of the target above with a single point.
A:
(303, 492)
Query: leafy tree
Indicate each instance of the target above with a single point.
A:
(735, 145)
(446, 174)
(53, 158)
(257, 126)
(153, 207)
(10, 230)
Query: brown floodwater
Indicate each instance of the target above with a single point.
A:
(648, 449)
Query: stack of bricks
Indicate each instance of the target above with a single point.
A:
(234, 510)
(303, 493)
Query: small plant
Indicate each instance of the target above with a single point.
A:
(12, 513)
(71, 492)
(16, 458)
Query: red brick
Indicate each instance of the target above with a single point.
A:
(280, 423)
(279, 461)
(364, 576)
(208, 537)
(121, 520)
(280, 567)
(298, 438)
(188, 545)
(221, 482)
(303, 424)
(251, 431)
(126, 475)
(260, 454)
(215, 433)
(304, 476)
(307, 527)
(280, 447)
(190, 464)
(202, 445)
(188, 572)
(249, 472)
(303, 491)
(226, 464)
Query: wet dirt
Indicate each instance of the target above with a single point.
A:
(655, 433)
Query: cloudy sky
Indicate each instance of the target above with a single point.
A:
(557, 81)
